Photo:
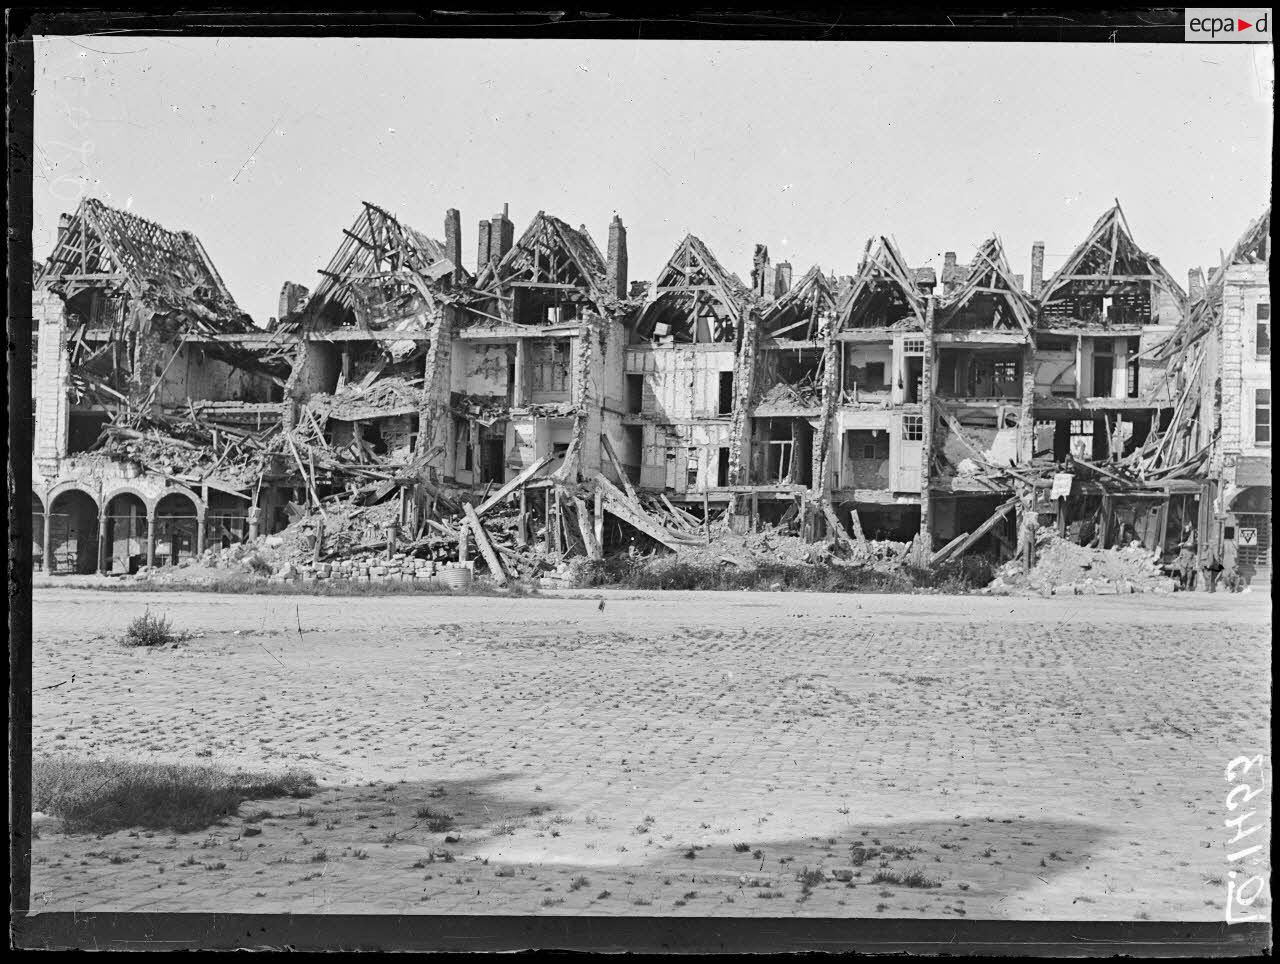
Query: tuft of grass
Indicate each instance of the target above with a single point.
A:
(578, 882)
(741, 848)
(151, 630)
(912, 878)
(91, 796)
(436, 821)
(810, 878)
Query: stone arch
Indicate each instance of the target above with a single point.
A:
(130, 490)
(73, 530)
(124, 516)
(1256, 498)
(178, 516)
(62, 488)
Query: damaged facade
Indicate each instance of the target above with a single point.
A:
(546, 405)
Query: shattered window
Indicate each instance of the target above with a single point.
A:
(913, 428)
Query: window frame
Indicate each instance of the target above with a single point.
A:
(1260, 405)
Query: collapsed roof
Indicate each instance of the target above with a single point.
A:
(1108, 264)
(167, 272)
(883, 294)
(799, 313)
(384, 276)
(989, 297)
(694, 298)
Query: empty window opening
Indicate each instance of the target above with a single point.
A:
(635, 394)
(1262, 417)
(691, 469)
(726, 393)
(722, 467)
(1262, 344)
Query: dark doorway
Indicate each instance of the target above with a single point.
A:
(722, 467)
(491, 467)
(1102, 371)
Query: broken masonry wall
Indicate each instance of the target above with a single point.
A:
(823, 462)
(484, 369)
(589, 387)
(683, 381)
(200, 376)
(51, 404)
(433, 413)
(316, 368)
(744, 378)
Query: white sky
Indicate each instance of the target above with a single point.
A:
(265, 147)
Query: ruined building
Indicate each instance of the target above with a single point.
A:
(962, 404)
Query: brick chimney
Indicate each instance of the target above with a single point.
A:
(1195, 282)
(453, 239)
(948, 272)
(1018, 282)
(1037, 269)
(64, 223)
(502, 235)
(782, 281)
(760, 274)
(616, 265)
(482, 246)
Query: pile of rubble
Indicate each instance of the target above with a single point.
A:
(1063, 568)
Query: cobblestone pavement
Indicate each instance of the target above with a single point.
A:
(672, 753)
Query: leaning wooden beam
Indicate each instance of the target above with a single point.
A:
(616, 503)
(833, 522)
(946, 550)
(977, 534)
(857, 526)
(486, 549)
(585, 527)
(617, 466)
(525, 475)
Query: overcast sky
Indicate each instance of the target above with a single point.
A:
(265, 147)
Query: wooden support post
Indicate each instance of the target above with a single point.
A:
(1104, 523)
(559, 531)
(599, 521)
(47, 560)
(522, 528)
(833, 523)
(1062, 516)
(315, 553)
(102, 542)
(151, 539)
(706, 517)
(857, 526)
(482, 543)
(462, 542)
(755, 510)
(587, 529)
(548, 521)
(926, 425)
